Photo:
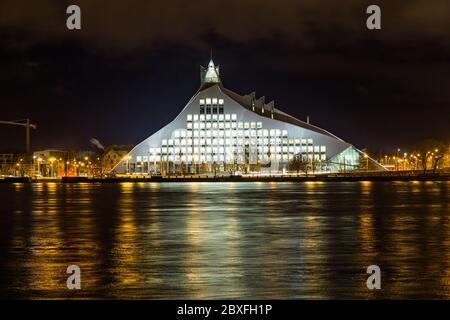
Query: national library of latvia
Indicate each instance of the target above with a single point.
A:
(222, 132)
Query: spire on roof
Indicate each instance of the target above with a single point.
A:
(210, 74)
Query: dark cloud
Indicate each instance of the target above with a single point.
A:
(136, 24)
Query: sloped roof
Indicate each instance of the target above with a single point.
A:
(247, 100)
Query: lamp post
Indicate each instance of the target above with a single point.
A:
(39, 165)
(367, 161)
(127, 158)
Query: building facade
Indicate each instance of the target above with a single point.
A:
(112, 156)
(220, 131)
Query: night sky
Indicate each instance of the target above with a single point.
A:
(135, 64)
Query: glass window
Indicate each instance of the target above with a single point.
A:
(208, 110)
(214, 110)
(202, 102)
(208, 101)
(189, 117)
(202, 110)
(221, 102)
(195, 117)
(221, 110)
(234, 116)
(214, 100)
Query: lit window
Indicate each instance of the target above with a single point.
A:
(234, 116)
(208, 101)
(259, 125)
(189, 117)
(195, 117)
(202, 102)
(221, 102)
(176, 134)
(214, 100)
(202, 117)
(310, 141)
(189, 125)
(323, 148)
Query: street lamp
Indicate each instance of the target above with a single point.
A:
(127, 158)
(39, 165)
(367, 161)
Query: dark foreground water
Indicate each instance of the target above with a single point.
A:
(225, 240)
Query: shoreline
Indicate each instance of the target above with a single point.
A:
(285, 178)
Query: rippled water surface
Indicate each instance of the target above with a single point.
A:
(225, 240)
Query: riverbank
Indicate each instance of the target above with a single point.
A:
(367, 176)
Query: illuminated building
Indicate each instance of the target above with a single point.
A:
(222, 132)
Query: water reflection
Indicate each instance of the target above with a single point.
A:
(225, 240)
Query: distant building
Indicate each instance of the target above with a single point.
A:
(49, 162)
(112, 156)
(10, 163)
(222, 131)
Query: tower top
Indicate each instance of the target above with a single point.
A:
(209, 74)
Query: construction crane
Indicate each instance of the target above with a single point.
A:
(23, 123)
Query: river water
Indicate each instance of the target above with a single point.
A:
(311, 240)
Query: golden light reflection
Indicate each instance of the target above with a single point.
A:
(125, 251)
